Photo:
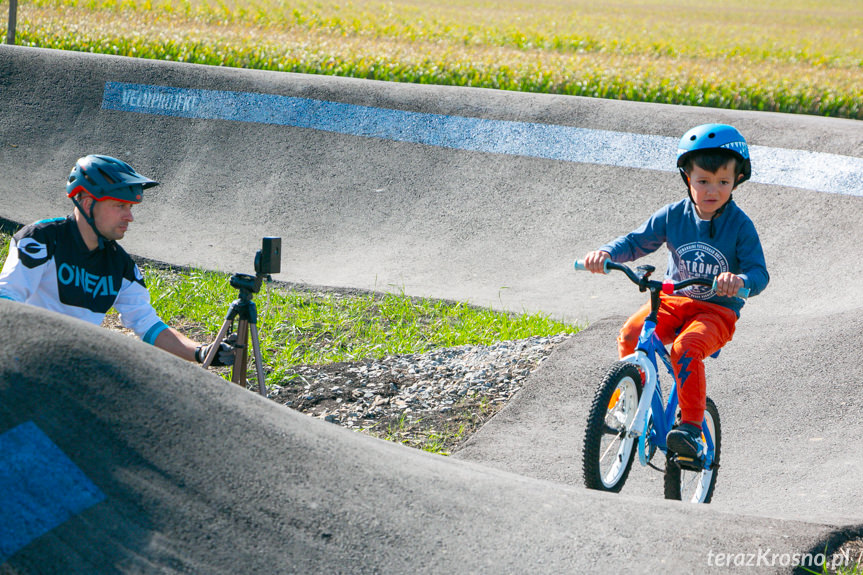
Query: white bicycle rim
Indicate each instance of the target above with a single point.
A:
(697, 483)
(620, 415)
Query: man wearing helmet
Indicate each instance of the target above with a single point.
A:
(74, 265)
(708, 236)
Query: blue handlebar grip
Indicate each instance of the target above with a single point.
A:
(579, 266)
(741, 293)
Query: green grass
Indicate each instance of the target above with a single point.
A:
(801, 57)
(404, 431)
(299, 327)
(842, 570)
(834, 564)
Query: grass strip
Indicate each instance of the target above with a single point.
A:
(298, 327)
(302, 327)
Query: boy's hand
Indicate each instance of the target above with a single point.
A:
(727, 284)
(595, 261)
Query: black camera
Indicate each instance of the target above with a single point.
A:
(268, 260)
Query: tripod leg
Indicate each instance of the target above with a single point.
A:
(259, 363)
(241, 359)
(211, 355)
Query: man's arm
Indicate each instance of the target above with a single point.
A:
(172, 341)
(178, 344)
(137, 313)
(19, 278)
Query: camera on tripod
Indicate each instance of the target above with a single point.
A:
(268, 260)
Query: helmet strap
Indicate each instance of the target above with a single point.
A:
(91, 220)
(718, 213)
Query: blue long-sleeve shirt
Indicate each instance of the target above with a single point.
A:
(734, 248)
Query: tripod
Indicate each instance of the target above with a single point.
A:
(244, 309)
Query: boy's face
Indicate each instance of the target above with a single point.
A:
(710, 191)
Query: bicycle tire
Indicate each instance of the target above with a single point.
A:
(696, 486)
(607, 423)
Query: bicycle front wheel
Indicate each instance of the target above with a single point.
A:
(608, 450)
(696, 486)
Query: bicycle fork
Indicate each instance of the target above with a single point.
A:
(639, 421)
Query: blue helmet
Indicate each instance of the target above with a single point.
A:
(104, 177)
(714, 137)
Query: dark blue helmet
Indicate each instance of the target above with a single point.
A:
(104, 178)
(714, 137)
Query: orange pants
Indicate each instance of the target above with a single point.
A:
(696, 329)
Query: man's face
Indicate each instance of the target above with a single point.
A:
(711, 191)
(112, 218)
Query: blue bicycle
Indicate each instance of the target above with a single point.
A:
(629, 415)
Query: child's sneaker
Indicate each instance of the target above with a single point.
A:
(685, 441)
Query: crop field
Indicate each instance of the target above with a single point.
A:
(797, 56)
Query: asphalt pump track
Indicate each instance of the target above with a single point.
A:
(120, 458)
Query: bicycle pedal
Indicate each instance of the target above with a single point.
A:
(690, 463)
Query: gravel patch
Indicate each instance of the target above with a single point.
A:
(433, 400)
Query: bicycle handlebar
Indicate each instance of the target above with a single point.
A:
(666, 287)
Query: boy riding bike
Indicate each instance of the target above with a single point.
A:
(707, 235)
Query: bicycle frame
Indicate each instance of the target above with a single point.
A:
(654, 418)
(615, 425)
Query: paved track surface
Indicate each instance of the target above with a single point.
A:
(183, 473)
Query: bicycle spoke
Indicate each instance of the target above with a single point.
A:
(692, 485)
(688, 480)
(610, 445)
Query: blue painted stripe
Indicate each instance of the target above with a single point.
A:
(40, 488)
(794, 168)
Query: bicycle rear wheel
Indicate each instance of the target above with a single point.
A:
(696, 486)
(608, 452)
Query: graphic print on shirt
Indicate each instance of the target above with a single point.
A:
(700, 260)
(32, 253)
(92, 281)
